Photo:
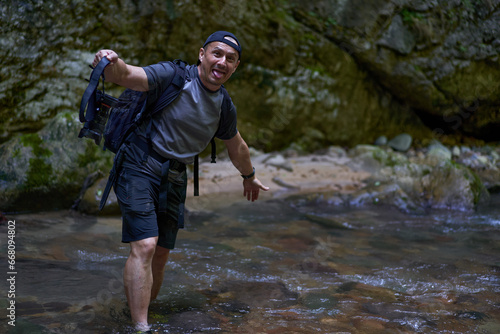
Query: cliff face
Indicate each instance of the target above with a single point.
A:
(313, 73)
(338, 72)
(438, 58)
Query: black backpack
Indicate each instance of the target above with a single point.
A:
(105, 116)
(115, 119)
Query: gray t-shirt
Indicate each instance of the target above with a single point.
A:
(186, 126)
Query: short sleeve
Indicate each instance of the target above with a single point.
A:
(159, 77)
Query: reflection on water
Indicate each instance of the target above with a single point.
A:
(269, 267)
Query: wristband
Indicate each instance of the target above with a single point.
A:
(249, 175)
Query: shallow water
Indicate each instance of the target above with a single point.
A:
(277, 266)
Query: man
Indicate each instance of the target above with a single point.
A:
(176, 135)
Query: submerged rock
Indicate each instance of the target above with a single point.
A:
(318, 300)
(257, 294)
(384, 194)
(327, 222)
(194, 322)
(360, 289)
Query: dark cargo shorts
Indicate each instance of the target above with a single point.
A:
(138, 195)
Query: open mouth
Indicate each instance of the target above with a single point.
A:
(218, 74)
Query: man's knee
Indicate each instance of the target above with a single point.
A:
(144, 249)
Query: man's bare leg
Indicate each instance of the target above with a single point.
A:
(138, 280)
(160, 259)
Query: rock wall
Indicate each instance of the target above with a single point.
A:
(440, 59)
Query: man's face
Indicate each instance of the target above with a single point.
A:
(218, 63)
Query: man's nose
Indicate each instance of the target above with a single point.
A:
(222, 61)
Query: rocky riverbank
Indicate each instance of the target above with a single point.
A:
(53, 170)
(435, 177)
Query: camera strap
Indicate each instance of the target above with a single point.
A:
(89, 96)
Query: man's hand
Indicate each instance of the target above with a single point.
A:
(110, 54)
(240, 157)
(128, 76)
(252, 187)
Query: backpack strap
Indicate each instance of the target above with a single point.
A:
(172, 91)
(226, 105)
(177, 82)
(196, 178)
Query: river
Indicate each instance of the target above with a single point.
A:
(275, 266)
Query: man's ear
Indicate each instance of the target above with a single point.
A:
(201, 54)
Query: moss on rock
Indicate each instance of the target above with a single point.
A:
(39, 174)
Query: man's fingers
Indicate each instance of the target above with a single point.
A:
(251, 192)
(110, 54)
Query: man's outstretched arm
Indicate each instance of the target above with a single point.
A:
(122, 74)
(240, 157)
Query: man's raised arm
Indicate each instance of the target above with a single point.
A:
(122, 74)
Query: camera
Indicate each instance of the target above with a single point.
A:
(94, 129)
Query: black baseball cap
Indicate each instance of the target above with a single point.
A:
(220, 36)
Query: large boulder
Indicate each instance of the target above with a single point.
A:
(416, 184)
(45, 170)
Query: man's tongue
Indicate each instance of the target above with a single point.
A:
(217, 74)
